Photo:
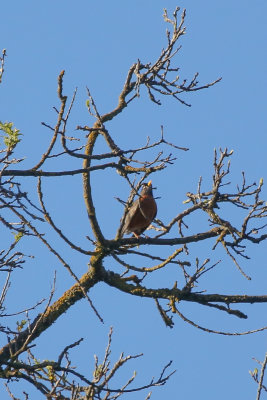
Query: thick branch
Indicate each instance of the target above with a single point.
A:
(43, 321)
(113, 244)
(87, 191)
(115, 280)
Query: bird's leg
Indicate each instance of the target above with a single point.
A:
(135, 235)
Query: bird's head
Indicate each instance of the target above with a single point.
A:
(147, 189)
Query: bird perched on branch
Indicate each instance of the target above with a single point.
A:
(141, 213)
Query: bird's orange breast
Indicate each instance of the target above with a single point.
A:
(144, 215)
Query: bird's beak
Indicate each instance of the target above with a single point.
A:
(149, 183)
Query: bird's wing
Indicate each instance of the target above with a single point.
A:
(131, 212)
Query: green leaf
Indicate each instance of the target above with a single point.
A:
(11, 137)
(21, 324)
(18, 236)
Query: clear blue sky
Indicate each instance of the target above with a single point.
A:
(95, 43)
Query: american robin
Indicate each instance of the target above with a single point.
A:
(141, 213)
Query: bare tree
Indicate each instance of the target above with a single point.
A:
(20, 214)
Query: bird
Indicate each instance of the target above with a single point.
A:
(141, 213)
